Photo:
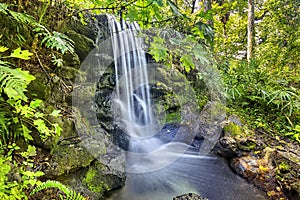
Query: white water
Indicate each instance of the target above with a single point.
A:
(131, 74)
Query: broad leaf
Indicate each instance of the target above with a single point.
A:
(187, 62)
(3, 49)
(21, 54)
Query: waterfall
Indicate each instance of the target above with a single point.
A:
(131, 92)
(156, 169)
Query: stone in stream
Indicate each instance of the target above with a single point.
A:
(189, 196)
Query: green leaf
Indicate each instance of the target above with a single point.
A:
(21, 54)
(55, 113)
(174, 8)
(14, 81)
(38, 114)
(26, 133)
(31, 150)
(35, 103)
(57, 129)
(41, 126)
(187, 62)
(39, 173)
(3, 49)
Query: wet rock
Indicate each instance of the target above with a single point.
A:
(259, 172)
(189, 196)
(83, 45)
(228, 148)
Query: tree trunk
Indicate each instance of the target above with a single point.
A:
(250, 30)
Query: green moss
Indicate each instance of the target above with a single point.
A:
(247, 145)
(283, 167)
(232, 130)
(173, 118)
(69, 157)
(95, 182)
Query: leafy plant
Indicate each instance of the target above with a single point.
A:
(17, 115)
(55, 40)
(15, 26)
(25, 178)
(68, 193)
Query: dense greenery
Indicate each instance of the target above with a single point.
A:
(189, 37)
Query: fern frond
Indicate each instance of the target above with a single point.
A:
(19, 17)
(14, 81)
(70, 194)
(59, 41)
(50, 184)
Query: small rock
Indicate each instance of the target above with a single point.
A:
(189, 196)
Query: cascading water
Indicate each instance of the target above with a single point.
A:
(158, 170)
(160, 162)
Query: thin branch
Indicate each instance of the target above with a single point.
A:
(42, 66)
(119, 6)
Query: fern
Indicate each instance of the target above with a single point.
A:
(58, 41)
(14, 81)
(69, 194)
(15, 26)
(19, 17)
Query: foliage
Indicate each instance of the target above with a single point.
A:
(17, 115)
(279, 35)
(69, 194)
(55, 40)
(15, 26)
(17, 178)
(249, 86)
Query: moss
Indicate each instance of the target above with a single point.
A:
(247, 145)
(69, 157)
(173, 118)
(39, 88)
(284, 167)
(95, 182)
(232, 130)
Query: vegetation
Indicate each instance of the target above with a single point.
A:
(68, 194)
(263, 87)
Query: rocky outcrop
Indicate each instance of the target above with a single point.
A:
(83, 156)
(270, 163)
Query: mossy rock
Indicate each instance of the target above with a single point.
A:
(71, 60)
(232, 130)
(39, 88)
(75, 153)
(83, 45)
(99, 180)
(68, 72)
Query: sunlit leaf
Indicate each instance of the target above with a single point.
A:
(21, 54)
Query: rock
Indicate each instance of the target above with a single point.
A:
(189, 196)
(69, 156)
(83, 45)
(39, 88)
(259, 172)
(247, 166)
(71, 60)
(235, 119)
(228, 148)
(232, 130)
(69, 73)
